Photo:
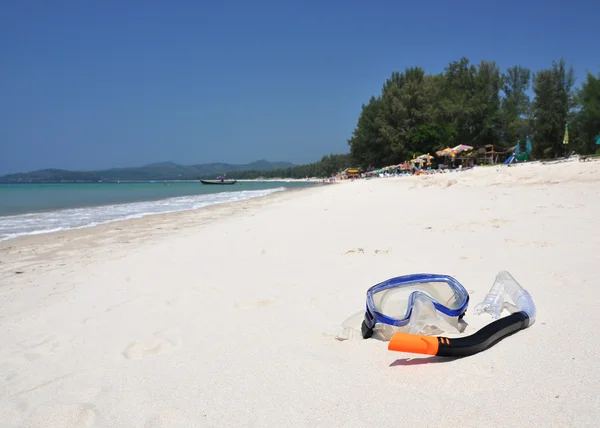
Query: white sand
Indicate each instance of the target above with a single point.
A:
(221, 317)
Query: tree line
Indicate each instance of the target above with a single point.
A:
(476, 105)
(328, 165)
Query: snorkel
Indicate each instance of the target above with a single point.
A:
(486, 337)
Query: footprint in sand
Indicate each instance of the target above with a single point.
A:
(160, 343)
(33, 349)
(72, 416)
(356, 251)
(497, 222)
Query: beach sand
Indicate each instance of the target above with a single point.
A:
(226, 316)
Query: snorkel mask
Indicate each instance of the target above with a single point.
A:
(449, 297)
(393, 302)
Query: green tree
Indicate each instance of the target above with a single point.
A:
(456, 107)
(485, 104)
(587, 119)
(553, 88)
(429, 138)
(515, 104)
(368, 145)
(328, 165)
(475, 105)
(390, 126)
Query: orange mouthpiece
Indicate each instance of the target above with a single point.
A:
(404, 342)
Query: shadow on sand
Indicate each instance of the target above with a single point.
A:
(421, 361)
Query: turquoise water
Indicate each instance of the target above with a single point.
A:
(40, 208)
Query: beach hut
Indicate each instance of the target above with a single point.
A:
(488, 154)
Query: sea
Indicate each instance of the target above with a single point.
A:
(29, 209)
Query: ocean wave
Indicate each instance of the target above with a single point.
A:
(77, 218)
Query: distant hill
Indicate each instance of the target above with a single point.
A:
(154, 171)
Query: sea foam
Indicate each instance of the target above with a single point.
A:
(76, 218)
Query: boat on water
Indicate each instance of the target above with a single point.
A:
(219, 180)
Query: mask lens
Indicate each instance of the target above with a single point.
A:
(394, 302)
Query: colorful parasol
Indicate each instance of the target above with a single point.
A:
(427, 157)
(461, 148)
(445, 152)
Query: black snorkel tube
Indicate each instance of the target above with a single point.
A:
(486, 337)
(479, 341)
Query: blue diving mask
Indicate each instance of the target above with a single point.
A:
(391, 302)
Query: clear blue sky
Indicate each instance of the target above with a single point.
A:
(89, 85)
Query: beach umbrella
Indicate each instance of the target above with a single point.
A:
(445, 152)
(461, 148)
(518, 148)
(528, 148)
(427, 157)
(566, 138)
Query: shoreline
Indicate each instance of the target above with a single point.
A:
(158, 215)
(134, 214)
(153, 227)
